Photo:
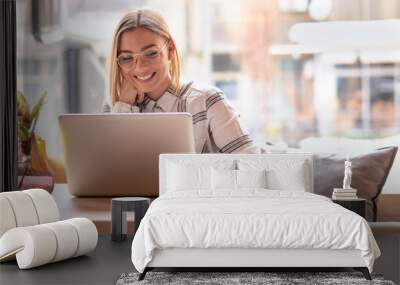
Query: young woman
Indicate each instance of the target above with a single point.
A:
(144, 77)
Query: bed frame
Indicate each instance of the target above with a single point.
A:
(242, 259)
(245, 258)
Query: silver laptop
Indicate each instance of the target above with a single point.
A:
(117, 154)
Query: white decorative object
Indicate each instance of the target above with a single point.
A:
(23, 208)
(347, 174)
(87, 233)
(345, 193)
(45, 206)
(37, 245)
(27, 208)
(67, 237)
(31, 232)
(7, 216)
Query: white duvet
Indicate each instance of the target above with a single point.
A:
(250, 218)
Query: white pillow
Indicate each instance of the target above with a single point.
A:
(184, 177)
(227, 179)
(223, 179)
(280, 180)
(251, 178)
(282, 174)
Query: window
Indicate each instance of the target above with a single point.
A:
(223, 43)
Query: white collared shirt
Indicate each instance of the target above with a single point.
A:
(216, 126)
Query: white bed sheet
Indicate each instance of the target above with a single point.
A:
(251, 218)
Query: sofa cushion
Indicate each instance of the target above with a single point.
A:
(369, 173)
(353, 147)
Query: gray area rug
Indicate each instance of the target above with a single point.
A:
(228, 278)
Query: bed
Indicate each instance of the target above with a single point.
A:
(246, 211)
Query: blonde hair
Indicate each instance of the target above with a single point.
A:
(154, 22)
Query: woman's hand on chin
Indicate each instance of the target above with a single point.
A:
(129, 93)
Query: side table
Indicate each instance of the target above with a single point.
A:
(119, 207)
(357, 206)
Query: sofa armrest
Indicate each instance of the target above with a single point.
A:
(388, 207)
(385, 228)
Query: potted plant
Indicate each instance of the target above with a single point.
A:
(34, 170)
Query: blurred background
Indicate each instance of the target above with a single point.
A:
(282, 92)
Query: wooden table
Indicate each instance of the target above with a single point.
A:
(97, 209)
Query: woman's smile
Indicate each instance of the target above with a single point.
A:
(146, 77)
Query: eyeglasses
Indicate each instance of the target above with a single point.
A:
(128, 61)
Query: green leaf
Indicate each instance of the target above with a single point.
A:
(22, 123)
(22, 104)
(23, 132)
(23, 111)
(36, 111)
(23, 135)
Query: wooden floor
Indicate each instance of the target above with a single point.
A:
(104, 265)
